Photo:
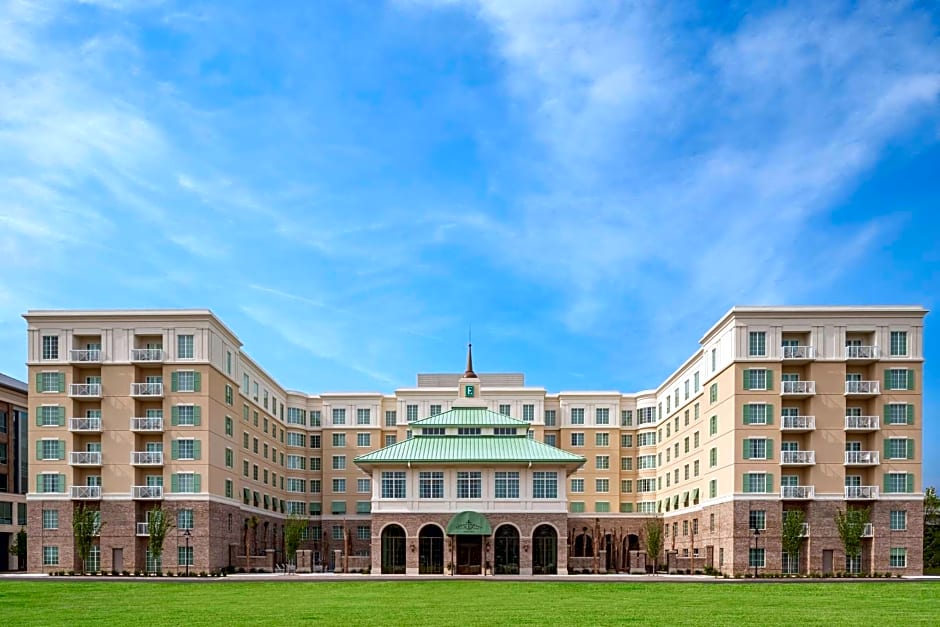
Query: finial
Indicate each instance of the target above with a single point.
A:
(469, 373)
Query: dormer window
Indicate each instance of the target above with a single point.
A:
(432, 431)
(468, 431)
(504, 431)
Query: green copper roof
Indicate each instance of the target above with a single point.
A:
(470, 417)
(461, 449)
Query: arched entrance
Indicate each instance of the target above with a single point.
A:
(393, 550)
(583, 546)
(469, 531)
(544, 550)
(631, 542)
(506, 553)
(431, 550)
(610, 563)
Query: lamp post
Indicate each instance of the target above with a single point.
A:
(187, 534)
(756, 539)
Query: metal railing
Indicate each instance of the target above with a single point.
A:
(798, 457)
(799, 387)
(797, 491)
(798, 423)
(861, 492)
(146, 354)
(862, 423)
(862, 387)
(146, 389)
(92, 425)
(85, 458)
(85, 389)
(146, 424)
(147, 458)
(861, 457)
(90, 355)
(147, 492)
(86, 492)
(862, 352)
(799, 352)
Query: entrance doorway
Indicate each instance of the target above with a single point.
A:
(393, 550)
(469, 555)
(506, 555)
(431, 550)
(827, 561)
(544, 550)
(117, 559)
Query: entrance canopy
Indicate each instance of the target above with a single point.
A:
(469, 524)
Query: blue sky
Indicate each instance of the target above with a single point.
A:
(350, 185)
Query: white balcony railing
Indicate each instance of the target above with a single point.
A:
(862, 423)
(85, 425)
(87, 492)
(88, 356)
(798, 423)
(862, 352)
(146, 424)
(861, 458)
(143, 529)
(147, 458)
(798, 457)
(797, 491)
(147, 354)
(862, 387)
(861, 492)
(799, 352)
(147, 389)
(147, 492)
(85, 458)
(799, 387)
(868, 531)
(85, 390)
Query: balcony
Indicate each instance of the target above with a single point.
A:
(85, 356)
(147, 458)
(861, 458)
(798, 458)
(147, 425)
(147, 492)
(797, 492)
(147, 355)
(796, 354)
(143, 529)
(862, 353)
(85, 390)
(862, 423)
(85, 425)
(796, 424)
(86, 492)
(798, 388)
(862, 388)
(147, 390)
(85, 458)
(860, 492)
(868, 531)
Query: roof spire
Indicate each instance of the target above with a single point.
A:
(469, 373)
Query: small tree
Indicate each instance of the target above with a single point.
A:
(851, 525)
(158, 523)
(18, 548)
(791, 536)
(653, 532)
(931, 530)
(293, 532)
(86, 524)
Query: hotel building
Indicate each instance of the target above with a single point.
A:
(816, 409)
(14, 467)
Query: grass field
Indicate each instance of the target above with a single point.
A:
(466, 603)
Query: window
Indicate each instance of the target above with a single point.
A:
(602, 485)
(363, 486)
(50, 519)
(899, 448)
(695, 440)
(755, 448)
(314, 440)
(544, 485)
(504, 410)
(391, 418)
(337, 532)
(296, 416)
(898, 520)
(393, 484)
(577, 507)
(363, 532)
(645, 461)
(50, 556)
(469, 484)
(229, 426)
(339, 440)
(685, 444)
(757, 519)
(646, 439)
(899, 414)
(645, 416)
(528, 413)
(551, 439)
(339, 462)
(601, 439)
(713, 425)
(184, 347)
(755, 558)
(712, 488)
(229, 458)
(899, 379)
(899, 482)
(714, 359)
(549, 417)
(626, 463)
(468, 431)
(602, 416)
(713, 393)
(756, 413)
(645, 485)
(626, 418)
(577, 486)
(51, 416)
(186, 482)
(506, 485)
(898, 557)
(300, 440)
(686, 385)
(363, 439)
(712, 457)
(431, 484)
(757, 482)
(50, 347)
(339, 486)
(757, 379)
(696, 383)
(626, 486)
(51, 449)
(577, 439)
(602, 462)
(389, 440)
(315, 486)
(757, 344)
(898, 344)
(695, 468)
(184, 519)
(363, 416)
(577, 415)
(411, 412)
(51, 382)
(184, 415)
(339, 416)
(184, 555)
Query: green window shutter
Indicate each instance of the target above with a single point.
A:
(62, 381)
(770, 379)
(38, 483)
(887, 380)
(885, 486)
(174, 482)
(174, 382)
(745, 487)
(61, 417)
(747, 414)
(197, 482)
(197, 449)
(910, 413)
(769, 487)
(39, 382)
(770, 448)
(61, 452)
(175, 416)
(910, 448)
(60, 484)
(770, 414)
(910, 379)
(197, 381)
(38, 450)
(175, 450)
(886, 448)
(39, 416)
(884, 415)
(910, 483)
(745, 451)
(747, 379)
(197, 415)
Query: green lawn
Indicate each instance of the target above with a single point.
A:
(466, 603)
